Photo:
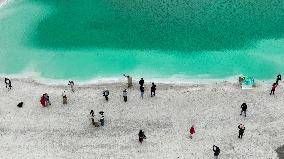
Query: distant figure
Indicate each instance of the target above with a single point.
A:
(42, 101)
(46, 98)
(92, 113)
(125, 95)
(106, 94)
(142, 91)
(20, 105)
(142, 136)
(244, 109)
(191, 131)
(241, 130)
(64, 97)
(278, 78)
(71, 84)
(153, 89)
(102, 119)
(141, 82)
(274, 85)
(93, 119)
(8, 83)
(216, 150)
(129, 80)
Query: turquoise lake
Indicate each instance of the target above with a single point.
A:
(86, 39)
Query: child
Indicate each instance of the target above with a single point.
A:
(125, 95)
(64, 97)
(191, 131)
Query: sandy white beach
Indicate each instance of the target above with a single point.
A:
(61, 131)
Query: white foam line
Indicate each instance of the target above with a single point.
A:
(177, 80)
(3, 2)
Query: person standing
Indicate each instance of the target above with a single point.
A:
(141, 82)
(46, 98)
(106, 94)
(142, 91)
(71, 84)
(241, 130)
(141, 136)
(125, 95)
(278, 78)
(244, 109)
(42, 100)
(216, 151)
(102, 119)
(8, 83)
(191, 131)
(274, 85)
(129, 80)
(64, 96)
(153, 89)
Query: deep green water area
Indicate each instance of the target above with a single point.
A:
(86, 39)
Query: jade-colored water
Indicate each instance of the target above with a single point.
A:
(84, 39)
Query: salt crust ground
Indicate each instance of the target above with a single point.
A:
(61, 131)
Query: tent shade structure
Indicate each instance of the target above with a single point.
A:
(246, 82)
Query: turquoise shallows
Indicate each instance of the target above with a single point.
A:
(84, 39)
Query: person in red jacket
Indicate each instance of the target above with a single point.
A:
(42, 101)
(191, 131)
(274, 85)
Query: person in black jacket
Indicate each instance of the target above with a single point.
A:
(142, 136)
(8, 83)
(141, 82)
(106, 94)
(153, 89)
(216, 150)
(278, 78)
(241, 130)
(244, 109)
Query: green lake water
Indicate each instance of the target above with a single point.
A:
(86, 39)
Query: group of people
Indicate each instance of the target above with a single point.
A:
(99, 121)
(274, 85)
(106, 92)
(44, 100)
(142, 88)
(94, 119)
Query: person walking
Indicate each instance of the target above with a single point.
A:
(129, 80)
(216, 151)
(274, 85)
(141, 136)
(244, 109)
(106, 94)
(241, 130)
(64, 96)
(142, 91)
(141, 82)
(278, 78)
(191, 131)
(125, 95)
(153, 89)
